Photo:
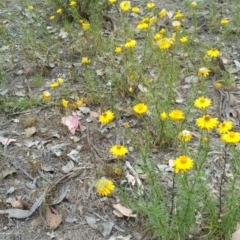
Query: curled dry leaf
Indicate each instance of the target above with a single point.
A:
(124, 210)
(71, 122)
(117, 213)
(30, 131)
(130, 179)
(53, 218)
(7, 141)
(17, 203)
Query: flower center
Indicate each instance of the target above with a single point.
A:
(183, 160)
(202, 100)
(104, 115)
(207, 119)
(119, 147)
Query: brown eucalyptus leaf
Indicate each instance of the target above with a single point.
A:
(53, 218)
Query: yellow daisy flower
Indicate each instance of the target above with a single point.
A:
(59, 11)
(150, 5)
(185, 136)
(178, 15)
(231, 137)
(217, 85)
(202, 102)
(30, 8)
(193, 4)
(125, 6)
(85, 25)
(112, 1)
(140, 108)
(106, 117)
(85, 60)
(163, 13)
(118, 150)
(164, 43)
(176, 115)
(72, 3)
(182, 164)
(54, 85)
(52, 17)
(203, 72)
(184, 39)
(163, 115)
(60, 81)
(206, 122)
(135, 9)
(104, 187)
(64, 103)
(46, 95)
(118, 49)
(176, 25)
(225, 126)
(213, 53)
(131, 43)
(224, 21)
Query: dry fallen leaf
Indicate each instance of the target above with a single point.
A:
(124, 210)
(117, 213)
(236, 235)
(53, 218)
(7, 141)
(131, 179)
(71, 122)
(30, 131)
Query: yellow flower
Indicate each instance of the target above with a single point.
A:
(178, 15)
(118, 50)
(64, 103)
(225, 126)
(106, 117)
(184, 39)
(125, 6)
(112, 1)
(163, 13)
(54, 85)
(85, 25)
(217, 84)
(150, 5)
(78, 103)
(164, 43)
(157, 36)
(140, 108)
(145, 23)
(118, 150)
(163, 115)
(224, 21)
(162, 31)
(135, 9)
(52, 17)
(231, 137)
(59, 11)
(203, 72)
(131, 43)
(202, 102)
(176, 115)
(46, 95)
(176, 25)
(185, 136)
(213, 53)
(130, 89)
(193, 4)
(30, 8)
(85, 60)
(206, 122)
(72, 3)
(182, 164)
(104, 187)
(60, 81)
